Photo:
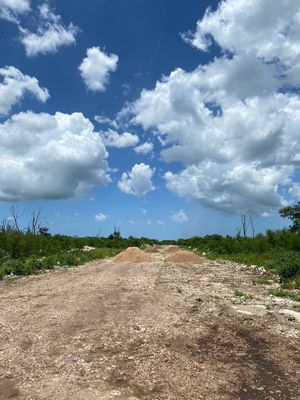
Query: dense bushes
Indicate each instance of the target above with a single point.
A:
(28, 266)
(283, 239)
(278, 251)
(16, 244)
(288, 264)
(25, 253)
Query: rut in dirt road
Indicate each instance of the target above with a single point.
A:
(152, 329)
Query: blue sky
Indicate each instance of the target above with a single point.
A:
(168, 119)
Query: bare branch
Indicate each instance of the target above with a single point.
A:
(252, 225)
(16, 216)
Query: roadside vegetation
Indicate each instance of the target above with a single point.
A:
(30, 250)
(276, 251)
(25, 251)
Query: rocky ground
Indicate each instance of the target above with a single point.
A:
(148, 330)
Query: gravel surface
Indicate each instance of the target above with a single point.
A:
(153, 331)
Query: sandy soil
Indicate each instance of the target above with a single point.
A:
(156, 330)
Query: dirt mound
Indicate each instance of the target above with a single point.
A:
(154, 249)
(134, 255)
(184, 257)
(171, 249)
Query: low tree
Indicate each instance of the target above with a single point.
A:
(293, 213)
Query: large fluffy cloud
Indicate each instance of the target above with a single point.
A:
(233, 123)
(138, 181)
(50, 35)
(96, 67)
(15, 84)
(269, 29)
(50, 157)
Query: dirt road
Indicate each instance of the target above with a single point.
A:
(151, 330)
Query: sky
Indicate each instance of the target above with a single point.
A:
(163, 119)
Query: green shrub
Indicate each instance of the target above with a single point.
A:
(288, 264)
(261, 281)
(17, 267)
(243, 295)
(2, 274)
(49, 262)
(293, 284)
(285, 294)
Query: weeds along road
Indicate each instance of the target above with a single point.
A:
(147, 330)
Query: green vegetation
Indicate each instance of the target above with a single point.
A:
(285, 294)
(243, 295)
(261, 281)
(292, 284)
(32, 265)
(293, 213)
(276, 251)
(32, 250)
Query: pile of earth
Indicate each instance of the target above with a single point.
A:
(184, 257)
(171, 249)
(154, 249)
(134, 255)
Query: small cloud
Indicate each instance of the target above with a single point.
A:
(104, 120)
(159, 222)
(15, 86)
(144, 148)
(143, 211)
(180, 216)
(96, 68)
(114, 139)
(101, 217)
(138, 181)
(51, 34)
(126, 89)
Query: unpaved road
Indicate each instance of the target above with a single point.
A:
(147, 331)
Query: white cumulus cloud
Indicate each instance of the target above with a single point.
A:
(15, 85)
(138, 181)
(101, 217)
(233, 123)
(269, 29)
(50, 35)
(144, 148)
(50, 157)
(114, 139)
(180, 216)
(96, 68)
